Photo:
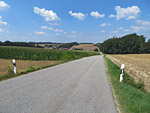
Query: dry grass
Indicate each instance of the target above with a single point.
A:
(21, 65)
(137, 65)
(86, 47)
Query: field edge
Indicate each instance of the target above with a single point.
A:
(128, 98)
(110, 83)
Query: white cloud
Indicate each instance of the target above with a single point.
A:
(128, 13)
(79, 15)
(3, 5)
(111, 16)
(48, 15)
(97, 15)
(51, 28)
(143, 23)
(102, 31)
(2, 22)
(71, 36)
(131, 17)
(44, 27)
(136, 28)
(7, 32)
(65, 33)
(1, 30)
(114, 32)
(73, 32)
(120, 28)
(4, 31)
(57, 30)
(54, 24)
(40, 33)
(105, 24)
(127, 30)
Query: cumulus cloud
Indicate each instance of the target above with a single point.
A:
(2, 22)
(48, 15)
(105, 24)
(71, 36)
(57, 30)
(1, 30)
(79, 15)
(127, 30)
(120, 28)
(97, 15)
(115, 32)
(111, 16)
(44, 27)
(65, 33)
(3, 5)
(54, 24)
(143, 23)
(4, 31)
(73, 32)
(136, 28)
(128, 13)
(51, 28)
(40, 33)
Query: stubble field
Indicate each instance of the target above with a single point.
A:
(6, 64)
(137, 65)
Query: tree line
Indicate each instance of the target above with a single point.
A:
(32, 44)
(23, 44)
(129, 44)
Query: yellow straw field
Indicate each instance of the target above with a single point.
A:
(137, 65)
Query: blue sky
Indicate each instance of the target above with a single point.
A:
(72, 20)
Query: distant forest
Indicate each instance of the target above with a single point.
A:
(47, 44)
(129, 44)
(24, 44)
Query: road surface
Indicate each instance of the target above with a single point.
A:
(79, 86)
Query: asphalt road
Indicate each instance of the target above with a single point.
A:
(79, 86)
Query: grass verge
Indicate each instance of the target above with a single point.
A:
(10, 73)
(130, 96)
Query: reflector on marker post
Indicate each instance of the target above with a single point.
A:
(122, 72)
(14, 64)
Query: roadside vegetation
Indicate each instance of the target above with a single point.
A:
(6, 65)
(25, 53)
(31, 59)
(130, 95)
(10, 73)
(137, 65)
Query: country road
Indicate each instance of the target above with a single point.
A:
(79, 86)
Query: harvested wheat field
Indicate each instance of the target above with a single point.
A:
(22, 65)
(137, 65)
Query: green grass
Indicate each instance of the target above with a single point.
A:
(28, 53)
(131, 96)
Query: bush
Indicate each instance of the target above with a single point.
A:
(96, 50)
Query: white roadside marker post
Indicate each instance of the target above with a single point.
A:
(122, 72)
(14, 64)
